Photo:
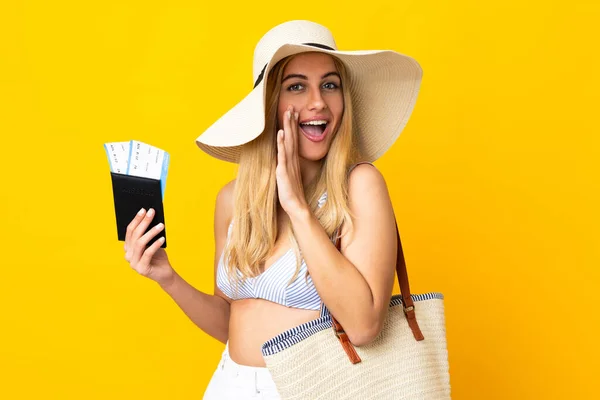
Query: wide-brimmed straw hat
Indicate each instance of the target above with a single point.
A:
(383, 85)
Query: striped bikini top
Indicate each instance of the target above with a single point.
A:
(272, 283)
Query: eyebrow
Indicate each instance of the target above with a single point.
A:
(299, 76)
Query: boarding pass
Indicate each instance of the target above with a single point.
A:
(138, 159)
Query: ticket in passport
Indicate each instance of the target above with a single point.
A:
(138, 159)
(118, 156)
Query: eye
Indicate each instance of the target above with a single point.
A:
(295, 87)
(330, 86)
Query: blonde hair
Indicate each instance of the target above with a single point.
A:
(254, 230)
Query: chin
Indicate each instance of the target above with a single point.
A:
(313, 155)
(313, 151)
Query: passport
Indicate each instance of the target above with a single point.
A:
(138, 175)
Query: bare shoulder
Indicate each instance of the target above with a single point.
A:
(224, 204)
(365, 181)
(223, 215)
(371, 206)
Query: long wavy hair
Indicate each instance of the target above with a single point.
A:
(254, 229)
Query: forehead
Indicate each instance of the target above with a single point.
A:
(310, 63)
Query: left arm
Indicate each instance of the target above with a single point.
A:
(356, 283)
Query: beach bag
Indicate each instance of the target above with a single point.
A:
(407, 360)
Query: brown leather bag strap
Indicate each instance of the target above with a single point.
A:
(409, 307)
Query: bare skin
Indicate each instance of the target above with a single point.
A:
(311, 91)
(310, 88)
(246, 323)
(254, 321)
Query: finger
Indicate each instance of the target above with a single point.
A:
(280, 149)
(132, 225)
(150, 251)
(136, 231)
(295, 128)
(143, 225)
(134, 249)
(142, 242)
(151, 233)
(288, 135)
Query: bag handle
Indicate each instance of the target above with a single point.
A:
(408, 304)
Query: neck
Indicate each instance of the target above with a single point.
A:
(309, 170)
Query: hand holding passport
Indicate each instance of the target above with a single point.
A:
(139, 174)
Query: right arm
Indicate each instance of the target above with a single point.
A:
(209, 312)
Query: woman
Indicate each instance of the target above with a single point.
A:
(299, 187)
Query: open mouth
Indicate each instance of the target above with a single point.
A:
(314, 130)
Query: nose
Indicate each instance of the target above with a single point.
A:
(316, 101)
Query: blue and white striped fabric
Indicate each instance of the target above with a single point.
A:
(272, 284)
(297, 334)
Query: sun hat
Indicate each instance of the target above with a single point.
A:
(383, 85)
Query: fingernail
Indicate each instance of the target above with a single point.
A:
(151, 212)
(159, 226)
(296, 116)
(289, 114)
(141, 211)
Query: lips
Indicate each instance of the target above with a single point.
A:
(315, 130)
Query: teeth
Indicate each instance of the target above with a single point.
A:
(318, 122)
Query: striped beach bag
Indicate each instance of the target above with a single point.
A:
(407, 360)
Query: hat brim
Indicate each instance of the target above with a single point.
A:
(383, 85)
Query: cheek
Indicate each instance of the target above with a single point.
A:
(280, 112)
(337, 109)
(281, 109)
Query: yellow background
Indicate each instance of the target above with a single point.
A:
(495, 183)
